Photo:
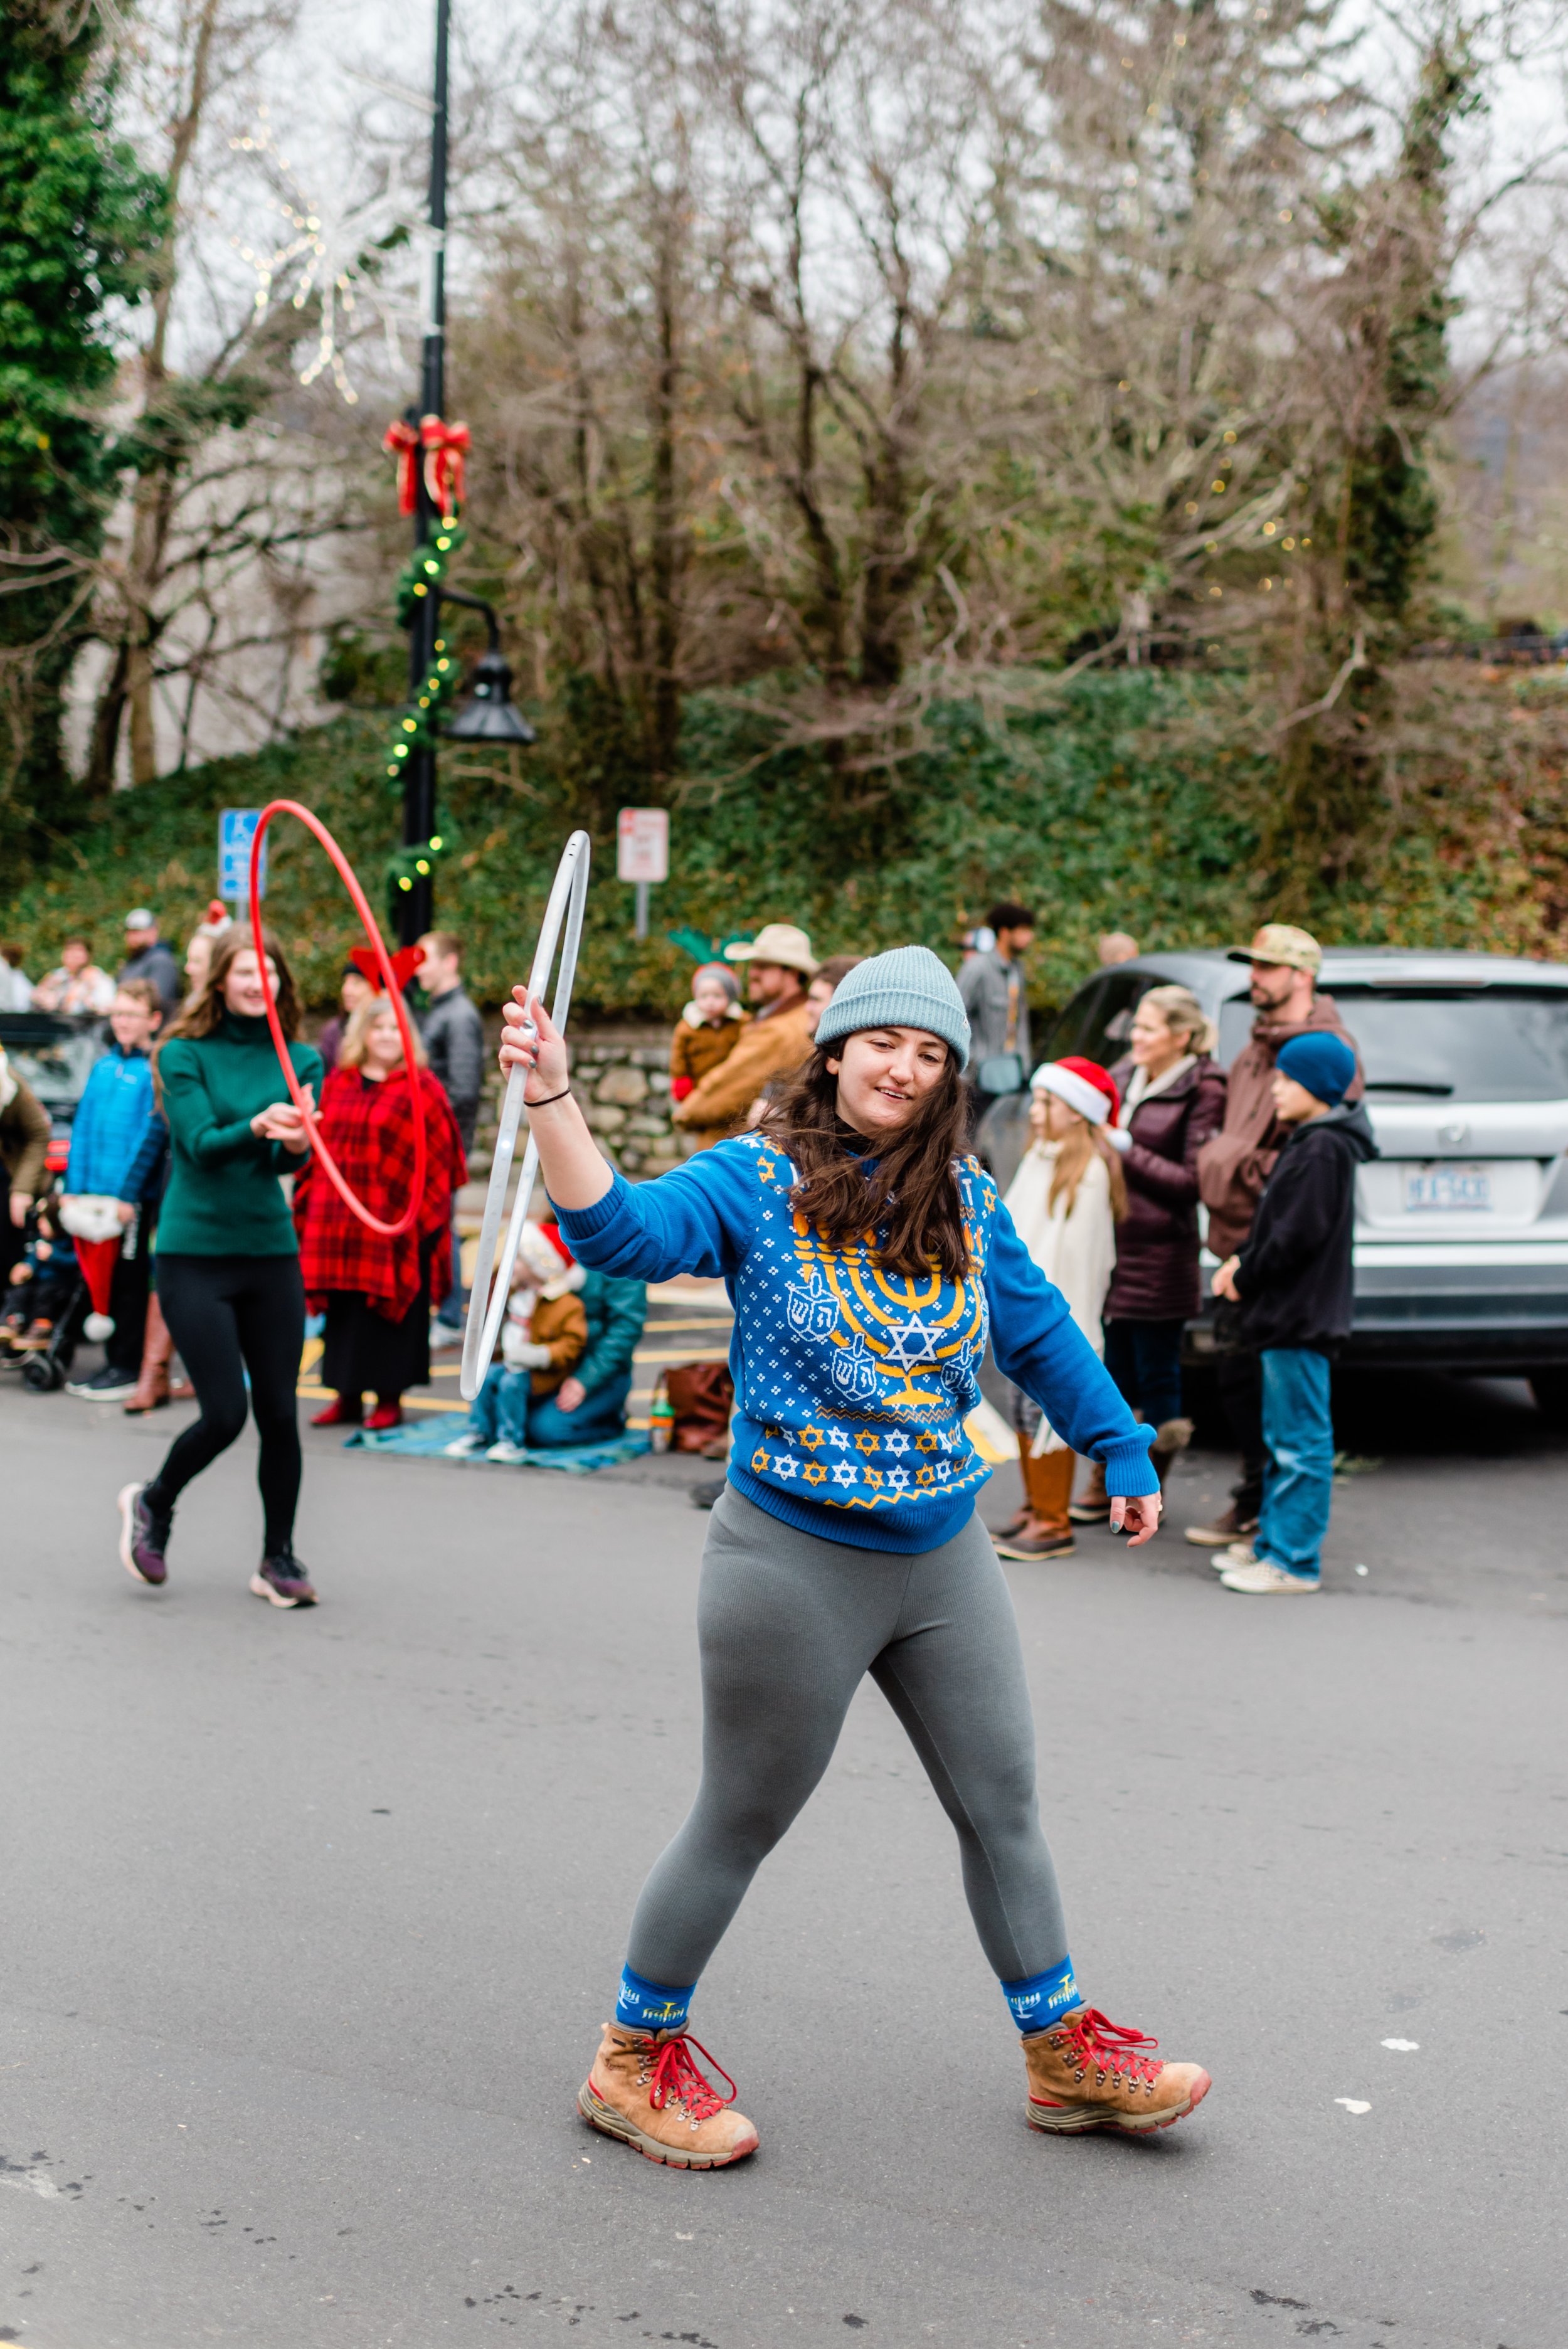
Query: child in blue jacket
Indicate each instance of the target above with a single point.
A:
(119, 1146)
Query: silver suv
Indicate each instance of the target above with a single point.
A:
(1462, 1225)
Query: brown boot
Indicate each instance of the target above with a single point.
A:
(1086, 2074)
(1020, 1517)
(1170, 1437)
(646, 2089)
(1048, 1482)
(157, 1346)
(1092, 1506)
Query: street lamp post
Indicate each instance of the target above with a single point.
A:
(416, 906)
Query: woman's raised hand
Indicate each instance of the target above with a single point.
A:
(542, 1053)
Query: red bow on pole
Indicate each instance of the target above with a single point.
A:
(403, 442)
(445, 446)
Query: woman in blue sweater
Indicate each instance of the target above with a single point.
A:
(869, 1262)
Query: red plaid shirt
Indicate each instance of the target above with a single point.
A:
(369, 1130)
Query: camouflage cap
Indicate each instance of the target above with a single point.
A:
(1277, 942)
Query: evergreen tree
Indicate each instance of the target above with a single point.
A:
(77, 217)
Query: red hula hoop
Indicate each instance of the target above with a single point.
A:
(372, 931)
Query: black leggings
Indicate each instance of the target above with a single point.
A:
(227, 1315)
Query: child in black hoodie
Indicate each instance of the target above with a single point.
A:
(1293, 1281)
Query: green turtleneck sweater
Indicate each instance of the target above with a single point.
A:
(223, 1196)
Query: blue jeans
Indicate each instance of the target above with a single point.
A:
(1144, 1358)
(1298, 1476)
(501, 1407)
(505, 1409)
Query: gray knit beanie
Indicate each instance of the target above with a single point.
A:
(908, 987)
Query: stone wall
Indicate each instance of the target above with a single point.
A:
(621, 1078)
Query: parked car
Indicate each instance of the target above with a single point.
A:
(53, 1054)
(1461, 1227)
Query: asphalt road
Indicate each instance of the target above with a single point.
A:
(309, 1922)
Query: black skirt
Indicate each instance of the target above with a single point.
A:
(364, 1353)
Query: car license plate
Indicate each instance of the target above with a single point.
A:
(1448, 1189)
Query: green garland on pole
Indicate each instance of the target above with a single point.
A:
(419, 859)
(417, 726)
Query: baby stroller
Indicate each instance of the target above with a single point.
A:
(47, 1302)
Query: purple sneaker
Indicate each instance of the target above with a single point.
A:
(283, 1581)
(143, 1538)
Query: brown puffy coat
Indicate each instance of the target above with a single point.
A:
(560, 1323)
(697, 1049)
(1156, 1276)
(773, 1047)
(1235, 1164)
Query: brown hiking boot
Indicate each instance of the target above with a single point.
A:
(646, 2089)
(1045, 1533)
(1086, 2072)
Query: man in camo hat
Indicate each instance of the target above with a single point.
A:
(1233, 1167)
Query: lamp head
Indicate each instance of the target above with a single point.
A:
(487, 715)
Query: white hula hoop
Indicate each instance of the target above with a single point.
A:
(492, 1278)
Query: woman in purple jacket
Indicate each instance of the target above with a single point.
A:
(1172, 1100)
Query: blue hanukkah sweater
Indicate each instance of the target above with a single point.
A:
(852, 1386)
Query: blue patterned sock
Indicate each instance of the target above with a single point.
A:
(1037, 2000)
(652, 2006)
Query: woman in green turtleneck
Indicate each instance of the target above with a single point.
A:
(228, 1263)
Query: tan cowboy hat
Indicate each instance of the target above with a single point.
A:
(777, 942)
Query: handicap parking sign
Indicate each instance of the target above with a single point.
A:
(236, 831)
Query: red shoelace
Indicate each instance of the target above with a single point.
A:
(673, 2073)
(1110, 2048)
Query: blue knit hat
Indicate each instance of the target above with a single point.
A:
(1323, 1063)
(908, 987)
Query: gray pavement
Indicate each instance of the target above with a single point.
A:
(310, 1920)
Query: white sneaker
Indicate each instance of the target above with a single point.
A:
(1262, 1579)
(1240, 1553)
(508, 1454)
(443, 1337)
(466, 1447)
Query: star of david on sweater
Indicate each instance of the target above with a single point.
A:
(910, 1341)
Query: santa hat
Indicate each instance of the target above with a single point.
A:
(97, 1235)
(544, 1252)
(1083, 1086)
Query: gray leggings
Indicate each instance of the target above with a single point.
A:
(789, 1625)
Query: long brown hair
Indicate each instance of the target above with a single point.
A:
(200, 1015)
(910, 1195)
(1077, 1146)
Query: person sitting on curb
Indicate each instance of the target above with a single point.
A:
(543, 1340)
(1293, 1282)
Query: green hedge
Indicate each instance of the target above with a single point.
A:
(1126, 806)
